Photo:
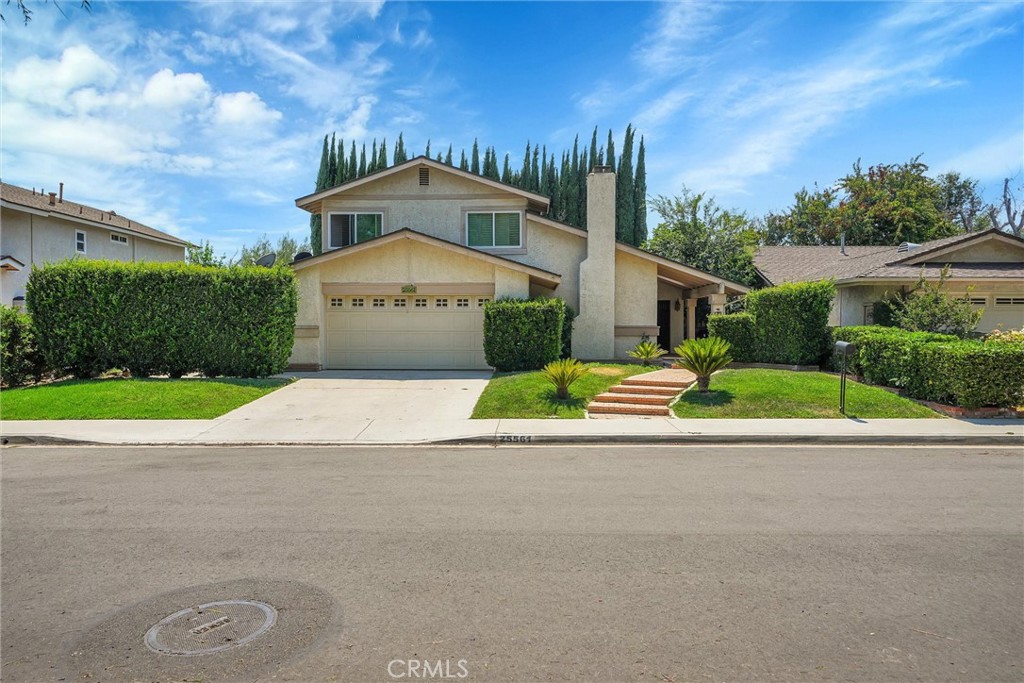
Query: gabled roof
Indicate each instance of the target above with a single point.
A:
(311, 200)
(545, 277)
(800, 264)
(20, 198)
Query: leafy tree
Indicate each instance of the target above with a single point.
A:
(930, 308)
(696, 231)
(961, 202)
(286, 249)
(26, 11)
(812, 220)
(204, 255)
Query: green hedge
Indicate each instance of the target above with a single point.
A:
(570, 315)
(163, 318)
(739, 330)
(20, 360)
(791, 322)
(938, 367)
(521, 334)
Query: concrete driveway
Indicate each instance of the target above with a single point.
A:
(362, 395)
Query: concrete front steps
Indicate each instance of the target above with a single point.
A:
(647, 395)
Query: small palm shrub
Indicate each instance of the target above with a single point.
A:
(646, 351)
(562, 373)
(703, 357)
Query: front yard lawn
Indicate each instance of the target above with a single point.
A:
(133, 399)
(756, 393)
(529, 395)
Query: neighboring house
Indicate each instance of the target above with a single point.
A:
(412, 253)
(989, 266)
(38, 228)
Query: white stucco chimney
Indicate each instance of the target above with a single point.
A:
(593, 336)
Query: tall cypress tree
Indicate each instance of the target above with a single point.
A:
(625, 213)
(427, 152)
(640, 197)
(551, 187)
(506, 172)
(475, 163)
(382, 160)
(371, 161)
(352, 168)
(535, 171)
(399, 155)
(610, 151)
(440, 159)
(448, 157)
(332, 162)
(593, 150)
(524, 170)
(362, 162)
(315, 222)
(582, 182)
(463, 162)
(572, 199)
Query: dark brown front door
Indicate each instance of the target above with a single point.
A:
(664, 324)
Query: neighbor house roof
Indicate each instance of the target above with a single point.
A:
(311, 201)
(545, 277)
(24, 199)
(779, 264)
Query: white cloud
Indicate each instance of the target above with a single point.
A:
(168, 90)
(676, 30)
(996, 158)
(244, 110)
(51, 80)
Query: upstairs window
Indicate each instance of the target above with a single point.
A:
(350, 228)
(494, 229)
(80, 241)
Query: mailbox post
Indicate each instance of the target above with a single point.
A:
(844, 350)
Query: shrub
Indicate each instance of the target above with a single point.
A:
(20, 360)
(930, 308)
(521, 334)
(170, 318)
(791, 322)
(562, 373)
(883, 311)
(704, 357)
(1007, 337)
(938, 367)
(646, 351)
(570, 315)
(739, 330)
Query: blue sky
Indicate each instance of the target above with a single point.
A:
(205, 118)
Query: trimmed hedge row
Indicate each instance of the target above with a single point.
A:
(20, 360)
(785, 324)
(937, 367)
(163, 318)
(523, 334)
(740, 331)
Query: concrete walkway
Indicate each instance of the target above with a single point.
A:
(267, 429)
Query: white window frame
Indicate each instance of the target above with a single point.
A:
(493, 213)
(118, 238)
(353, 231)
(84, 241)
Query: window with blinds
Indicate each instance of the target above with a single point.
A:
(350, 228)
(494, 229)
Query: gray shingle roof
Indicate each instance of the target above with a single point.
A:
(36, 200)
(800, 264)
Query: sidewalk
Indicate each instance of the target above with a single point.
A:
(296, 431)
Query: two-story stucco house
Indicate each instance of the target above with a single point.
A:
(412, 253)
(38, 228)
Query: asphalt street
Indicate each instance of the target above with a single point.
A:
(662, 564)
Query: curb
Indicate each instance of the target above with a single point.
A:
(580, 439)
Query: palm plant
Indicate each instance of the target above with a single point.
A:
(703, 357)
(646, 351)
(562, 373)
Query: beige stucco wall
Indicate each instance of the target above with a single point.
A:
(402, 262)
(636, 298)
(556, 251)
(851, 300)
(436, 209)
(989, 251)
(48, 239)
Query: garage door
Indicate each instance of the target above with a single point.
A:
(405, 332)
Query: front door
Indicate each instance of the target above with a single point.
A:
(664, 325)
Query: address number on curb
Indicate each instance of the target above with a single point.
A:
(515, 438)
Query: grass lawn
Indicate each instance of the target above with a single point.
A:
(133, 399)
(758, 393)
(529, 395)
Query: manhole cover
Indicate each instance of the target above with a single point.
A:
(212, 627)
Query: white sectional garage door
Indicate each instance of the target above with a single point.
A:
(405, 332)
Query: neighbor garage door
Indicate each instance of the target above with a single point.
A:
(405, 332)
